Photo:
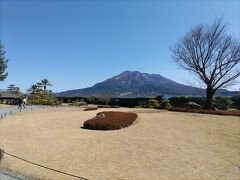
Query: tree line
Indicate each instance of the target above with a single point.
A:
(220, 103)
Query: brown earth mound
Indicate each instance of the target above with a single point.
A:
(110, 120)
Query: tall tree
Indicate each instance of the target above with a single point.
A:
(39, 86)
(11, 88)
(211, 54)
(45, 83)
(33, 89)
(3, 64)
(92, 99)
(17, 91)
(107, 98)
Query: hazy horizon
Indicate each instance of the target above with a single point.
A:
(76, 44)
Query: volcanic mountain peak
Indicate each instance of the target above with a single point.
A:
(133, 76)
(137, 84)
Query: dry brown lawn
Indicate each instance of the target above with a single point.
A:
(161, 145)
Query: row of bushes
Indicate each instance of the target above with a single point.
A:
(202, 111)
(80, 102)
(43, 99)
(221, 103)
(158, 104)
(122, 102)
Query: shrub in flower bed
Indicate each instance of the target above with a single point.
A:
(202, 111)
(110, 120)
(90, 109)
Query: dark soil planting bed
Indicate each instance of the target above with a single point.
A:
(217, 112)
(90, 109)
(110, 120)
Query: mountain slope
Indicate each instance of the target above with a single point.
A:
(136, 84)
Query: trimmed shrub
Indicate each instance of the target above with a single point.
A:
(236, 101)
(193, 105)
(110, 120)
(202, 111)
(178, 101)
(79, 103)
(90, 109)
(43, 99)
(165, 104)
(129, 102)
(168, 107)
(198, 100)
(233, 110)
(159, 98)
(181, 101)
(222, 103)
(138, 107)
(152, 103)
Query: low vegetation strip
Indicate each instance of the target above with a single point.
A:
(110, 120)
(90, 108)
(202, 111)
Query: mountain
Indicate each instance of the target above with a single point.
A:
(137, 84)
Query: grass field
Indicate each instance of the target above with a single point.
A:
(160, 145)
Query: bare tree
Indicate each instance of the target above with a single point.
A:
(107, 98)
(211, 54)
(92, 99)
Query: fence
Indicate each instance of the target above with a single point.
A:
(2, 152)
(9, 111)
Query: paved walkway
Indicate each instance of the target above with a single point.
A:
(9, 175)
(6, 111)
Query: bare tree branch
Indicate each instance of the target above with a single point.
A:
(210, 53)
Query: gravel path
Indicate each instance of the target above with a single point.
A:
(6, 111)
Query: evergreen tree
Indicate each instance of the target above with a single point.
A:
(3, 64)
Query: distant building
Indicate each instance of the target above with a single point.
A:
(10, 98)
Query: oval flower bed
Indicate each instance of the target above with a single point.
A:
(110, 120)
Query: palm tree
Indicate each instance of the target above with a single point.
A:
(39, 85)
(45, 83)
(33, 89)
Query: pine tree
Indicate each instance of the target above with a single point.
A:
(3, 64)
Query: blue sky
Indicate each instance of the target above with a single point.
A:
(77, 43)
